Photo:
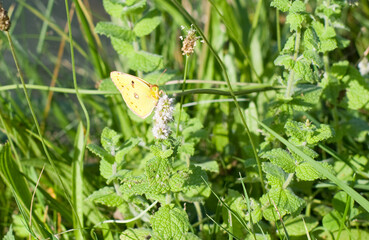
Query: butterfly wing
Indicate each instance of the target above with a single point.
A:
(138, 94)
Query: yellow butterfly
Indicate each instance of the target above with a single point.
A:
(140, 96)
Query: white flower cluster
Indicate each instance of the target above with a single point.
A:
(364, 67)
(162, 116)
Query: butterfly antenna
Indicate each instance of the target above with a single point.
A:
(157, 80)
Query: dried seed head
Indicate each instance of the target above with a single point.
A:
(4, 20)
(189, 42)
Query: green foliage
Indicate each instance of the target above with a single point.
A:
(271, 142)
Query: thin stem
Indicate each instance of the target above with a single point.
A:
(183, 87)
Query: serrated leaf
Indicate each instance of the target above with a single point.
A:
(158, 172)
(306, 172)
(136, 234)
(303, 71)
(120, 175)
(137, 185)
(282, 159)
(313, 57)
(195, 187)
(126, 148)
(282, 5)
(106, 196)
(177, 181)
(238, 204)
(9, 235)
(357, 90)
(100, 152)
(275, 175)
(284, 60)
(297, 6)
(147, 24)
(112, 30)
(106, 169)
(295, 20)
(122, 47)
(211, 166)
(300, 225)
(110, 140)
(289, 46)
(328, 45)
(310, 40)
(306, 96)
(134, 7)
(113, 9)
(170, 222)
(145, 61)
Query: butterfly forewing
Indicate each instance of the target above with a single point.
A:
(136, 92)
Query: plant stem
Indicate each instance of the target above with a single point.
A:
(183, 87)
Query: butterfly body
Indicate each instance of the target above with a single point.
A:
(140, 96)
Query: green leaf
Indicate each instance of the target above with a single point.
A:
(100, 152)
(134, 7)
(289, 46)
(158, 172)
(110, 140)
(299, 226)
(284, 60)
(328, 45)
(306, 172)
(357, 90)
(106, 196)
(306, 96)
(122, 47)
(310, 40)
(170, 222)
(297, 6)
(211, 166)
(110, 29)
(136, 234)
(282, 159)
(113, 9)
(145, 61)
(303, 71)
(195, 187)
(275, 175)
(331, 221)
(147, 24)
(295, 20)
(313, 57)
(9, 235)
(126, 148)
(282, 5)
(238, 204)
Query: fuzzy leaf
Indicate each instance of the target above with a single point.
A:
(284, 60)
(357, 90)
(295, 20)
(110, 140)
(282, 159)
(297, 6)
(145, 61)
(125, 148)
(299, 225)
(136, 234)
(158, 172)
(289, 46)
(195, 188)
(134, 7)
(284, 199)
(282, 5)
(170, 222)
(9, 235)
(328, 45)
(313, 57)
(238, 204)
(122, 47)
(275, 175)
(310, 40)
(106, 196)
(306, 172)
(106, 169)
(148, 23)
(112, 8)
(306, 96)
(211, 166)
(112, 30)
(100, 152)
(303, 71)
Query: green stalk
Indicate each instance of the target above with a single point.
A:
(189, 17)
(78, 220)
(41, 39)
(183, 87)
